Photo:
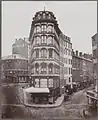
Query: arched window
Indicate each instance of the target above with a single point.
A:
(37, 68)
(43, 28)
(49, 29)
(37, 40)
(50, 53)
(39, 16)
(49, 16)
(43, 68)
(36, 83)
(43, 53)
(50, 68)
(37, 53)
(50, 40)
(44, 15)
(32, 69)
(43, 40)
(38, 29)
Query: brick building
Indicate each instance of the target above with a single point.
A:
(82, 67)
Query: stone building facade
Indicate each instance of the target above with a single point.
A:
(46, 54)
(45, 60)
(15, 68)
(66, 59)
(15, 72)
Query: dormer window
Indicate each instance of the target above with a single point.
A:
(49, 16)
(44, 15)
(39, 16)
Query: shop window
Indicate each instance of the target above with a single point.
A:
(50, 82)
(36, 82)
(43, 83)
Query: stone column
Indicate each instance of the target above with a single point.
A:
(47, 69)
(47, 53)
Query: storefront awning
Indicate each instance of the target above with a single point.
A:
(37, 90)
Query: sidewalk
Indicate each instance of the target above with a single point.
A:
(57, 103)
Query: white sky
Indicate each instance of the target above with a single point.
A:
(76, 19)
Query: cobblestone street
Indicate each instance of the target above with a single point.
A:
(69, 109)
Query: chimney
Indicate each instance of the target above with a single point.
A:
(76, 52)
(72, 52)
(85, 55)
(80, 54)
(16, 39)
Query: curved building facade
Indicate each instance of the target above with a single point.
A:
(15, 68)
(45, 52)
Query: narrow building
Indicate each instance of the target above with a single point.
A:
(47, 45)
(82, 69)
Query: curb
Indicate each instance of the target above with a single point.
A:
(45, 106)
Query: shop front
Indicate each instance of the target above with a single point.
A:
(36, 95)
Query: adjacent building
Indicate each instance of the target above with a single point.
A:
(92, 95)
(82, 67)
(15, 78)
(21, 46)
(66, 58)
(95, 56)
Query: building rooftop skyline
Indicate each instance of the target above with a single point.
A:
(80, 22)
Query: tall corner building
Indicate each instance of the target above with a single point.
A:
(47, 52)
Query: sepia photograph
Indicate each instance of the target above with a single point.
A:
(49, 60)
